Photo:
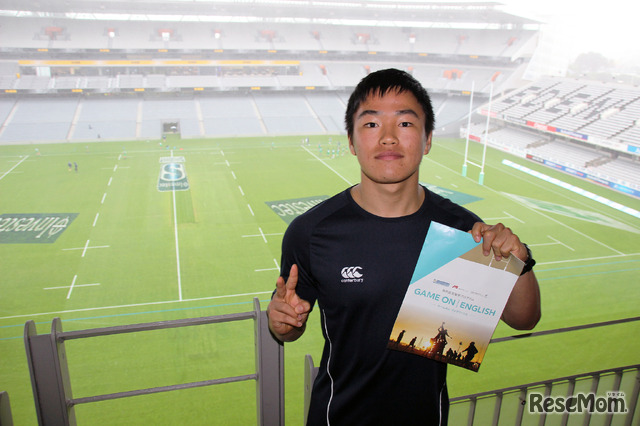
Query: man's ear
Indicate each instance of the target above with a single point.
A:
(352, 147)
(427, 147)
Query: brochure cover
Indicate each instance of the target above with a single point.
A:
(455, 299)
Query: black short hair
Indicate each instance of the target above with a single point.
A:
(383, 81)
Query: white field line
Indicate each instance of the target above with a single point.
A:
(134, 305)
(508, 216)
(84, 251)
(251, 294)
(73, 282)
(573, 229)
(537, 184)
(561, 243)
(14, 166)
(537, 211)
(513, 217)
(76, 286)
(250, 209)
(263, 236)
(587, 259)
(575, 189)
(330, 168)
(175, 231)
(277, 268)
(84, 248)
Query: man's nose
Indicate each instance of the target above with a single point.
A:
(389, 138)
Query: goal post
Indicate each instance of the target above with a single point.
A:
(171, 131)
(484, 138)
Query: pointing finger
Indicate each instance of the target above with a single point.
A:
(292, 281)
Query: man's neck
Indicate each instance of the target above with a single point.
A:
(389, 200)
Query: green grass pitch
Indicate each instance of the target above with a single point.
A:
(117, 263)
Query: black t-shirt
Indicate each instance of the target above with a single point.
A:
(357, 267)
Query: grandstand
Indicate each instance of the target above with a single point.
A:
(77, 54)
(81, 73)
(231, 66)
(590, 128)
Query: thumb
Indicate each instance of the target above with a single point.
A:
(477, 231)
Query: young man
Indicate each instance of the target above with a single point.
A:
(355, 253)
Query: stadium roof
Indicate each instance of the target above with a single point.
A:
(401, 13)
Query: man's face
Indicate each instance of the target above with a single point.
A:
(389, 137)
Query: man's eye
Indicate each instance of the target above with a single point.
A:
(370, 125)
(405, 124)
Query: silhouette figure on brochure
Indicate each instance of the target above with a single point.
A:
(438, 343)
(436, 349)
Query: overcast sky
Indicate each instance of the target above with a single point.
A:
(610, 27)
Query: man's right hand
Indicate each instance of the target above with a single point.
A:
(287, 312)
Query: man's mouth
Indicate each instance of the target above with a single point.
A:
(389, 155)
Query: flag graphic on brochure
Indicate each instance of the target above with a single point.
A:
(455, 299)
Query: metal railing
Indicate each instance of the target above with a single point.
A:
(51, 383)
(518, 402)
(55, 403)
(517, 395)
(568, 382)
(5, 410)
(513, 400)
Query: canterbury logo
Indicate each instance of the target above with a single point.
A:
(351, 272)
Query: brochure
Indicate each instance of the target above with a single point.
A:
(455, 299)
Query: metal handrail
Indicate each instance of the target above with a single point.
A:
(548, 385)
(311, 371)
(5, 410)
(51, 383)
(564, 329)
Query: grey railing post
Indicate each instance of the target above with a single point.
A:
(270, 371)
(617, 380)
(595, 382)
(633, 400)
(547, 393)
(310, 373)
(5, 410)
(571, 388)
(472, 410)
(46, 379)
(496, 409)
(48, 367)
(523, 401)
(62, 368)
